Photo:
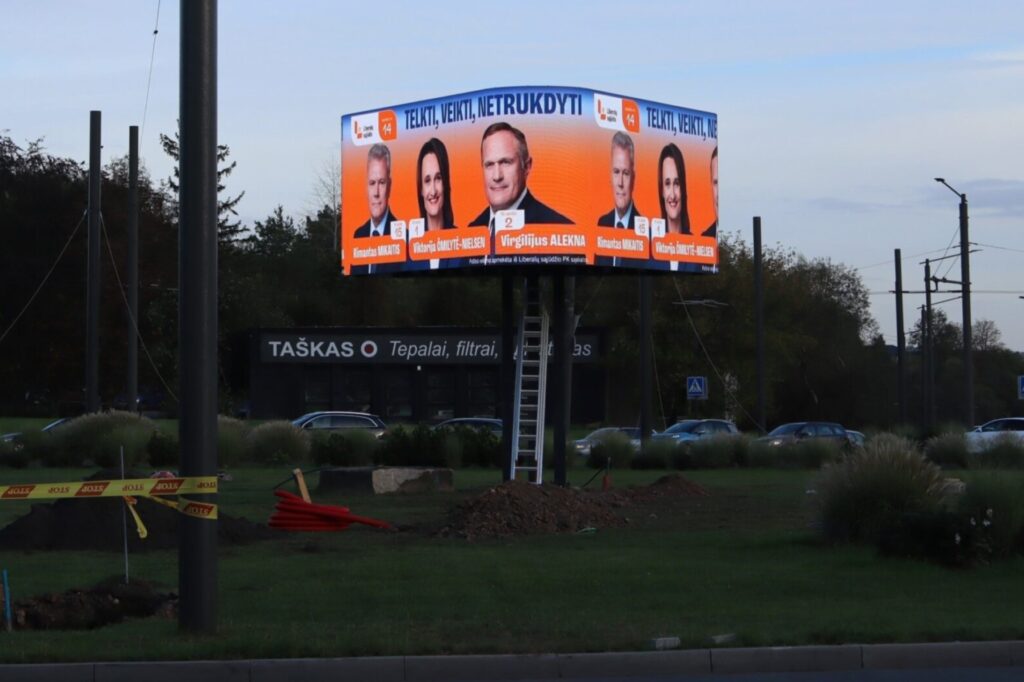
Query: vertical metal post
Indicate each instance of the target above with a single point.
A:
(930, 338)
(132, 274)
(562, 298)
(968, 341)
(197, 282)
(762, 418)
(924, 370)
(507, 375)
(901, 344)
(646, 364)
(92, 270)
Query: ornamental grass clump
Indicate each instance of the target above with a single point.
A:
(232, 445)
(995, 504)
(867, 491)
(344, 448)
(1004, 452)
(98, 439)
(948, 450)
(614, 451)
(278, 442)
(719, 452)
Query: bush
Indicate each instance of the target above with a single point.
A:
(347, 448)
(948, 450)
(807, 454)
(867, 491)
(653, 458)
(232, 445)
(615, 448)
(472, 447)
(416, 446)
(13, 455)
(98, 438)
(996, 504)
(278, 442)
(718, 452)
(1005, 452)
(163, 449)
(939, 535)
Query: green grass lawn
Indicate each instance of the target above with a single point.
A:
(744, 560)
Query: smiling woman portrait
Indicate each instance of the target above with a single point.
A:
(672, 190)
(433, 178)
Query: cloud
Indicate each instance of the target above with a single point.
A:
(851, 206)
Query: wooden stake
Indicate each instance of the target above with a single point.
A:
(297, 473)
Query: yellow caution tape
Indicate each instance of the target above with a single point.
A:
(130, 502)
(143, 487)
(200, 510)
(151, 488)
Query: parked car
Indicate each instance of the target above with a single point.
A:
(981, 437)
(482, 423)
(856, 438)
(794, 432)
(696, 429)
(584, 445)
(16, 436)
(336, 421)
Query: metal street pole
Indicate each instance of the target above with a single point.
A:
(92, 270)
(965, 278)
(132, 388)
(930, 344)
(646, 363)
(507, 374)
(759, 326)
(901, 344)
(197, 283)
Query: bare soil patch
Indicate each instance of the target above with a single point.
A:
(110, 601)
(516, 508)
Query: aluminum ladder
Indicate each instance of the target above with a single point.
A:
(530, 388)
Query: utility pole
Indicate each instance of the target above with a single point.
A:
(965, 277)
(646, 363)
(930, 343)
(901, 344)
(132, 388)
(197, 296)
(92, 270)
(759, 325)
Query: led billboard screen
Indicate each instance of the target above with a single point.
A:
(529, 176)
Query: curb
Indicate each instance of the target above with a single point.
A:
(842, 657)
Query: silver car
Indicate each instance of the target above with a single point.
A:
(985, 436)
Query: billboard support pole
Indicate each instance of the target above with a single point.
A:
(507, 373)
(197, 296)
(562, 300)
(762, 418)
(901, 345)
(92, 280)
(645, 359)
(132, 388)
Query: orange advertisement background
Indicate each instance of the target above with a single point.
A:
(571, 172)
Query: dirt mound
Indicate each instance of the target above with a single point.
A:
(111, 601)
(96, 524)
(516, 508)
(672, 485)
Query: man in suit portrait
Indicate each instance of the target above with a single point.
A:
(624, 213)
(506, 163)
(378, 193)
(712, 230)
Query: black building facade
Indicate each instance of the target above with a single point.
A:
(423, 374)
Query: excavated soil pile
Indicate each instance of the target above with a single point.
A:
(672, 485)
(516, 508)
(96, 524)
(111, 601)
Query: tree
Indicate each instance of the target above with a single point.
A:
(228, 232)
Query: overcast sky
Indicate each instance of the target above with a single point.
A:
(833, 116)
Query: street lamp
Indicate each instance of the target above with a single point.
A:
(965, 277)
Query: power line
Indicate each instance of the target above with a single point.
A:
(46, 278)
(700, 341)
(891, 261)
(135, 326)
(149, 79)
(1001, 248)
